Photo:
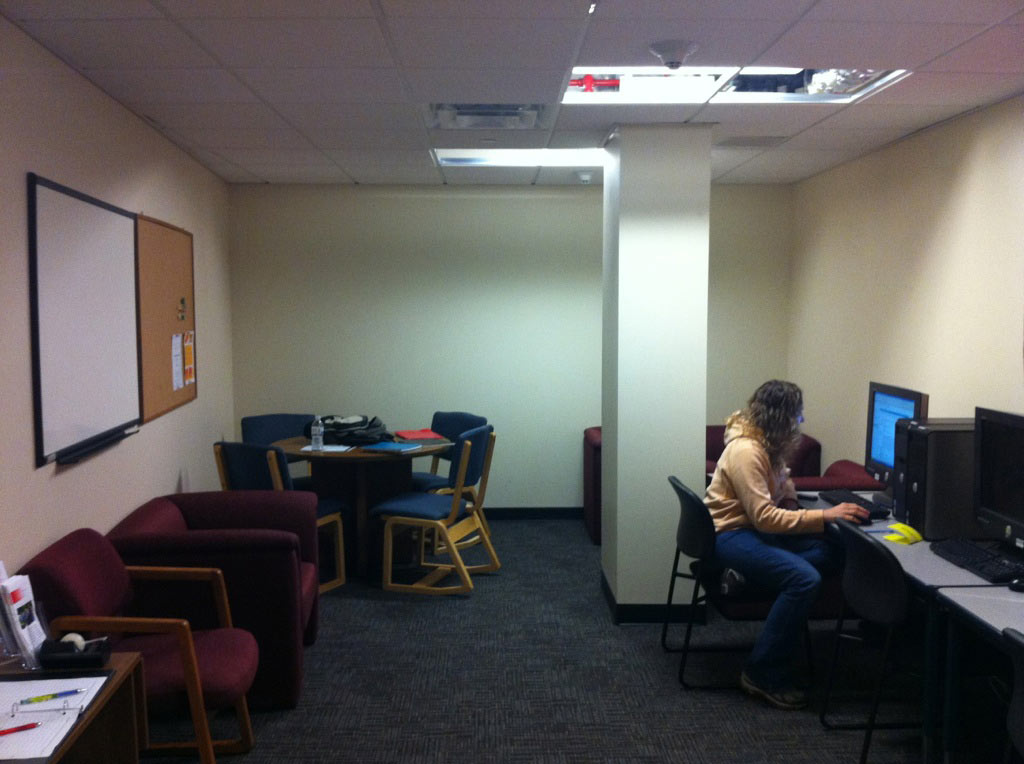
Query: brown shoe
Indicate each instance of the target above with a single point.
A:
(787, 698)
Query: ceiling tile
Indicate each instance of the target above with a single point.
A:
(825, 136)
(482, 139)
(931, 12)
(239, 116)
(333, 138)
(388, 167)
(79, 9)
(255, 43)
(724, 160)
(486, 9)
(1000, 49)
(849, 45)
(568, 176)
(121, 44)
(247, 138)
(171, 85)
(348, 85)
(739, 10)
(782, 166)
(467, 43)
(874, 115)
(577, 139)
(765, 118)
(585, 117)
(949, 88)
(220, 9)
(353, 116)
(484, 85)
(490, 176)
(720, 42)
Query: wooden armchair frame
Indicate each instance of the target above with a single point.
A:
(203, 744)
(449, 532)
(472, 494)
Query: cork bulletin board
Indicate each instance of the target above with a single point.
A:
(167, 325)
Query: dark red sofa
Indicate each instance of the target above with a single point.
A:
(265, 542)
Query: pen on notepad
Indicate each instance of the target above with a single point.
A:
(50, 696)
(20, 728)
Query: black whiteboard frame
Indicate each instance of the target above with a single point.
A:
(76, 451)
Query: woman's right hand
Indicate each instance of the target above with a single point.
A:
(853, 513)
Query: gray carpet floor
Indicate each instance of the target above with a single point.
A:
(531, 668)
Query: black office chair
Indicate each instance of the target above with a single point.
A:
(695, 538)
(875, 588)
(1014, 642)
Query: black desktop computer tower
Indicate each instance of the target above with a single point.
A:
(933, 478)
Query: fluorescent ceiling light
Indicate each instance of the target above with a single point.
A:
(645, 84)
(521, 157)
(703, 84)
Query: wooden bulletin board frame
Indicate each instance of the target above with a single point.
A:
(166, 294)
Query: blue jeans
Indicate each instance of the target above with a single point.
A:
(791, 565)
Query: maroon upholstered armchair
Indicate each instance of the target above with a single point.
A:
(265, 542)
(839, 474)
(84, 586)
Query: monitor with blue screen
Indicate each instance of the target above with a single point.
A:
(886, 405)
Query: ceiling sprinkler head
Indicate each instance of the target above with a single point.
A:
(672, 53)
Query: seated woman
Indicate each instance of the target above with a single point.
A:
(761, 533)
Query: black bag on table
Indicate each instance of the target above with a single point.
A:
(357, 430)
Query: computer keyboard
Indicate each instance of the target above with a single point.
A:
(843, 495)
(990, 564)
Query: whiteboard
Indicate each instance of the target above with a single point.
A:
(84, 321)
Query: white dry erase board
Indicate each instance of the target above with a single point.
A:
(82, 271)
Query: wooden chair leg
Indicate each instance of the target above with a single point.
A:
(338, 549)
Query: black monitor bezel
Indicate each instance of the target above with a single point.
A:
(878, 470)
(1012, 528)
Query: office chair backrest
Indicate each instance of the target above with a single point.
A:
(1014, 642)
(451, 424)
(264, 429)
(478, 438)
(695, 534)
(873, 582)
(245, 466)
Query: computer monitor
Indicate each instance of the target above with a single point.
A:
(886, 404)
(999, 474)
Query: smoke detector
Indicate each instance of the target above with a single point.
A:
(673, 53)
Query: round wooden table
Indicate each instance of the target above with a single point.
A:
(362, 478)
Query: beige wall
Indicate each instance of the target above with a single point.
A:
(749, 292)
(54, 123)
(909, 269)
(398, 302)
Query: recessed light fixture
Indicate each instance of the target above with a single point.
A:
(521, 157)
(699, 84)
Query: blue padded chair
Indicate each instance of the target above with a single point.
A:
(450, 425)
(247, 466)
(265, 429)
(450, 516)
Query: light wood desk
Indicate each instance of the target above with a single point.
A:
(362, 478)
(113, 729)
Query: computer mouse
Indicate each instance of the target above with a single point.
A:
(1016, 585)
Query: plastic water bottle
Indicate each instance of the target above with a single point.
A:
(316, 434)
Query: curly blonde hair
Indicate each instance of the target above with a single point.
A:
(776, 409)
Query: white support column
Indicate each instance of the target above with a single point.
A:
(654, 378)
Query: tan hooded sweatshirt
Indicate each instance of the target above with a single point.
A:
(745, 492)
